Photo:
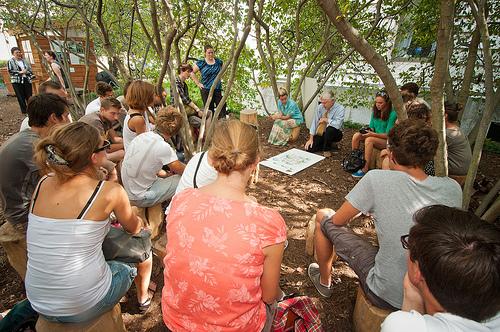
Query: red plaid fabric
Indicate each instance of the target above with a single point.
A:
(308, 318)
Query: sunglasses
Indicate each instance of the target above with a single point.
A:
(105, 146)
(404, 241)
(380, 94)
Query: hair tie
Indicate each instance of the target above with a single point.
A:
(54, 157)
(235, 152)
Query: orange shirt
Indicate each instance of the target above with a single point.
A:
(215, 262)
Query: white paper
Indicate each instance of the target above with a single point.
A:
(292, 161)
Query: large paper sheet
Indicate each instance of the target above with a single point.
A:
(292, 161)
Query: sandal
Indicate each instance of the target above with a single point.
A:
(144, 306)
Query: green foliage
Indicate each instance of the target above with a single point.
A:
(492, 146)
(355, 125)
(3, 63)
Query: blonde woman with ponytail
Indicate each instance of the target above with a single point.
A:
(224, 249)
(68, 279)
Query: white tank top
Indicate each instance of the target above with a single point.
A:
(67, 273)
(128, 134)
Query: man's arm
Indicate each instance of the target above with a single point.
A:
(337, 120)
(116, 142)
(177, 167)
(345, 214)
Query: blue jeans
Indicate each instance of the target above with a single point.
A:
(161, 190)
(123, 275)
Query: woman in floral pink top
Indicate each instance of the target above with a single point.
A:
(224, 249)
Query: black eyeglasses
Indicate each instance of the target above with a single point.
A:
(105, 146)
(380, 94)
(404, 241)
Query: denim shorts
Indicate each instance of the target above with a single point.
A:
(161, 190)
(123, 275)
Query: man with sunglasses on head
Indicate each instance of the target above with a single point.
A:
(19, 173)
(391, 197)
(103, 121)
(453, 278)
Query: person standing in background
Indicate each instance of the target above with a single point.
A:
(51, 58)
(21, 75)
(209, 68)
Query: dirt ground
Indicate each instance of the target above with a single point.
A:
(296, 197)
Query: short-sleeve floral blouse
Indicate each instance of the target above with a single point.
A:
(215, 262)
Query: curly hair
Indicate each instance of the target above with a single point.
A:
(74, 143)
(413, 143)
(102, 87)
(169, 121)
(235, 146)
(419, 111)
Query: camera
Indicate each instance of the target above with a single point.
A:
(364, 130)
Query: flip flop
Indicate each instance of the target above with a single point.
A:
(144, 306)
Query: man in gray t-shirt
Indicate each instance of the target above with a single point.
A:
(18, 171)
(391, 197)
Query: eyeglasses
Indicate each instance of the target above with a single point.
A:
(105, 146)
(404, 241)
(380, 94)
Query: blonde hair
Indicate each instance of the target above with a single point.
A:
(235, 145)
(282, 92)
(140, 95)
(169, 121)
(67, 151)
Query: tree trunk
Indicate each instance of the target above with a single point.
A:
(469, 71)
(234, 62)
(442, 62)
(367, 51)
(491, 98)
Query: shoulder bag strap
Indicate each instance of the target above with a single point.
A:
(196, 171)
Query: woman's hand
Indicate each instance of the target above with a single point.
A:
(201, 86)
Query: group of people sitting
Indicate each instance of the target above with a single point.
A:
(224, 275)
(328, 125)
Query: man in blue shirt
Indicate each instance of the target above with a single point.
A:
(327, 125)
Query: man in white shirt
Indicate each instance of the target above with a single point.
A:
(453, 278)
(327, 125)
(144, 180)
(103, 90)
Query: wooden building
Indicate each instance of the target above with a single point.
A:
(75, 44)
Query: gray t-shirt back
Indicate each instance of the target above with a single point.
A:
(392, 197)
(18, 175)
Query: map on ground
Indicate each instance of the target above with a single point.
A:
(292, 161)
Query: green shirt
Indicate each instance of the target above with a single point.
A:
(383, 127)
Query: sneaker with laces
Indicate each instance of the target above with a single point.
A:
(359, 174)
(315, 276)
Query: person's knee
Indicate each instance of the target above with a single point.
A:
(356, 137)
(320, 215)
(370, 141)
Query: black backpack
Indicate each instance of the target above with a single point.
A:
(355, 161)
